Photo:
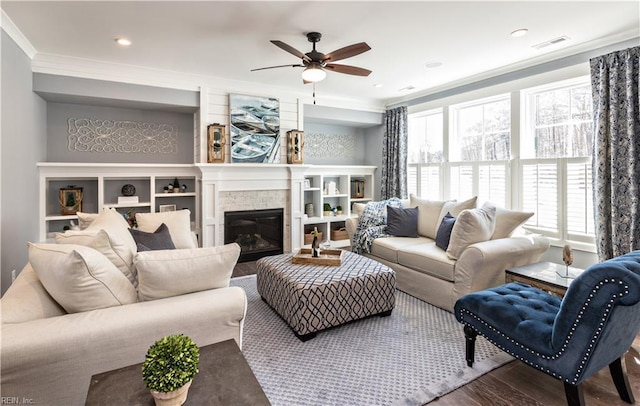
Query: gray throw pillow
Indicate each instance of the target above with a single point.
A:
(402, 222)
(444, 231)
(158, 240)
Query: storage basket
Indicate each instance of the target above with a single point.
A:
(308, 238)
(339, 234)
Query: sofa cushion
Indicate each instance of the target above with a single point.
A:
(168, 273)
(178, 222)
(444, 231)
(402, 222)
(428, 215)
(85, 219)
(471, 226)
(100, 241)
(429, 259)
(507, 221)
(455, 208)
(26, 299)
(158, 240)
(79, 278)
(387, 248)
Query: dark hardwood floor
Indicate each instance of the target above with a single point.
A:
(518, 384)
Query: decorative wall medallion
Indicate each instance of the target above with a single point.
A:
(320, 145)
(112, 136)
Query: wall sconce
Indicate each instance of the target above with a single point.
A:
(295, 150)
(216, 141)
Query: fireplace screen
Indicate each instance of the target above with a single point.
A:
(258, 232)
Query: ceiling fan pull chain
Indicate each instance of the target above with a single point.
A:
(314, 92)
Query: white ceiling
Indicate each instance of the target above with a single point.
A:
(228, 39)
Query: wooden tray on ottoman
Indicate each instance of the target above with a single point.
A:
(327, 257)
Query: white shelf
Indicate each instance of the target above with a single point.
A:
(121, 205)
(312, 189)
(340, 195)
(185, 194)
(61, 217)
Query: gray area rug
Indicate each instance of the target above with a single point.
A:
(409, 358)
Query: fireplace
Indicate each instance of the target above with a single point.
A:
(258, 232)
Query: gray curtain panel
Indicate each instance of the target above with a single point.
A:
(616, 160)
(394, 154)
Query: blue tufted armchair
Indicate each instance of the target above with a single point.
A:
(571, 338)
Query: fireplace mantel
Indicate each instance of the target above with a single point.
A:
(285, 181)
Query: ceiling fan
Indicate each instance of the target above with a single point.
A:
(316, 63)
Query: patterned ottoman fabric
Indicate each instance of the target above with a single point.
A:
(312, 298)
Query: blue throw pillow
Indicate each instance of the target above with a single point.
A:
(444, 231)
(402, 222)
(158, 240)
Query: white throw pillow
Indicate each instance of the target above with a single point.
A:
(178, 222)
(455, 208)
(472, 226)
(85, 219)
(507, 221)
(80, 278)
(100, 241)
(428, 215)
(166, 273)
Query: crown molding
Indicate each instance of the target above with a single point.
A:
(16, 35)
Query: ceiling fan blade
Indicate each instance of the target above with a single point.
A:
(346, 52)
(278, 66)
(291, 50)
(349, 70)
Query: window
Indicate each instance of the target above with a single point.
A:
(482, 130)
(425, 153)
(480, 150)
(556, 147)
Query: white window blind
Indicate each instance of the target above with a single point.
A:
(424, 180)
(580, 221)
(540, 195)
(492, 183)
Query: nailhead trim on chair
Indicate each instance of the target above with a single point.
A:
(564, 345)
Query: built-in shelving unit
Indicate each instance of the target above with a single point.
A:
(334, 185)
(102, 184)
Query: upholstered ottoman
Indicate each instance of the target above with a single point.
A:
(312, 298)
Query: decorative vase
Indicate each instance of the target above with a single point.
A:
(173, 398)
(128, 190)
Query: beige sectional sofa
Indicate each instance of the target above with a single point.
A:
(427, 272)
(70, 313)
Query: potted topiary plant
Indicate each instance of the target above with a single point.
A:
(176, 185)
(326, 208)
(339, 210)
(169, 367)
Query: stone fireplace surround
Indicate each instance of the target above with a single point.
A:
(231, 187)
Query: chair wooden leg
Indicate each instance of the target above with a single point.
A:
(574, 394)
(470, 344)
(618, 371)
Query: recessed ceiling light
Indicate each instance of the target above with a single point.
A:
(519, 32)
(434, 64)
(123, 41)
(406, 89)
(378, 85)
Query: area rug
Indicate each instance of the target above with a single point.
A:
(409, 358)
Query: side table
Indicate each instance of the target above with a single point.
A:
(544, 276)
(225, 378)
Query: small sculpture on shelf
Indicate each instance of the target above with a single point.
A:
(567, 258)
(183, 188)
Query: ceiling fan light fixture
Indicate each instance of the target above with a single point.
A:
(313, 73)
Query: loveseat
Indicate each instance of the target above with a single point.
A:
(481, 244)
(92, 303)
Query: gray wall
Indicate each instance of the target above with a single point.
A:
(23, 143)
(373, 154)
(57, 133)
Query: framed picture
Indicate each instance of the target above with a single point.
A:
(70, 199)
(167, 207)
(255, 129)
(216, 142)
